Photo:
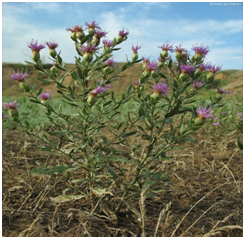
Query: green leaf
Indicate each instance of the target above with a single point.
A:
(240, 144)
(58, 133)
(45, 149)
(53, 170)
(129, 134)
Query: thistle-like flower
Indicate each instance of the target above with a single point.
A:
(97, 35)
(197, 84)
(160, 89)
(88, 52)
(12, 108)
(165, 48)
(122, 36)
(76, 32)
(44, 96)
(185, 71)
(221, 91)
(98, 90)
(179, 52)
(92, 26)
(135, 52)
(150, 68)
(52, 45)
(35, 48)
(107, 44)
(110, 63)
(212, 70)
(204, 113)
(200, 52)
(19, 76)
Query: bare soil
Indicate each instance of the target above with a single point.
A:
(203, 198)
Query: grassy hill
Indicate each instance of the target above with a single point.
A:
(231, 80)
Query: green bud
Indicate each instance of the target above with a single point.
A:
(198, 121)
(197, 58)
(13, 113)
(73, 36)
(210, 76)
(25, 86)
(35, 56)
(135, 56)
(146, 73)
(91, 100)
(164, 54)
(178, 56)
(183, 76)
(80, 35)
(87, 57)
(53, 53)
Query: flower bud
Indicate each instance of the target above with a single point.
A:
(91, 99)
(53, 53)
(199, 121)
(146, 73)
(13, 112)
(155, 95)
(25, 86)
(164, 54)
(80, 35)
(87, 57)
(183, 77)
(35, 56)
(73, 36)
(210, 77)
(178, 56)
(135, 56)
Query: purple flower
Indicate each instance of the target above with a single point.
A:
(239, 114)
(110, 62)
(136, 82)
(89, 49)
(216, 124)
(180, 49)
(52, 44)
(187, 68)
(135, 49)
(146, 60)
(151, 66)
(92, 25)
(45, 95)
(221, 91)
(99, 34)
(19, 76)
(197, 84)
(99, 90)
(75, 29)
(13, 105)
(214, 69)
(161, 88)
(122, 33)
(203, 67)
(216, 118)
(107, 43)
(164, 60)
(6, 116)
(34, 46)
(167, 47)
(204, 113)
(201, 50)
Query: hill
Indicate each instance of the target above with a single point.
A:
(231, 80)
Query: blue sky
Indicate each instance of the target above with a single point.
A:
(150, 24)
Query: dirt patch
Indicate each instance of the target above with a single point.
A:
(203, 197)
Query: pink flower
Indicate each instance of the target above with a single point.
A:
(19, 76)
(135, 49)
(52, 44)
(110, 62)
(201, 50)
(92, 25)
(167, 47)
(216, 124)
(214, 69)
(99, 34)
(107, 43)
(197, 84)
(151, 66)
(187, 68)
(180, 49)
(75, 29)
(99, 90)
(13, 105)
(204, 113)
(89, 49)
(161, 88)
(45, 95)
(221, 91)
(34, 46)
(123, 33)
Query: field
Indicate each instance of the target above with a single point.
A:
(203, 198)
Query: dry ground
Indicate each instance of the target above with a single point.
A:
(204, 197)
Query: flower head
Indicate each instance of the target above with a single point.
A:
(19, 76)
(201, 50)
(203, 67)
(123, 33)
(180, 49)
(216, 124)
(107, 43)
(75, 29)
(45, 95)
(221, 91)
(161, 88)
(13, 105)
(213, 69)
(136, 82)
(99, 90)
(197, 84)
(204, 113)
(239, 114)
(151, 66)
(187, 68)
(52, 45)
(110, 62)
(98, 34)
(135, 49)
(167, 47)
(34, 46)
(89, 49)
(92, 25)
